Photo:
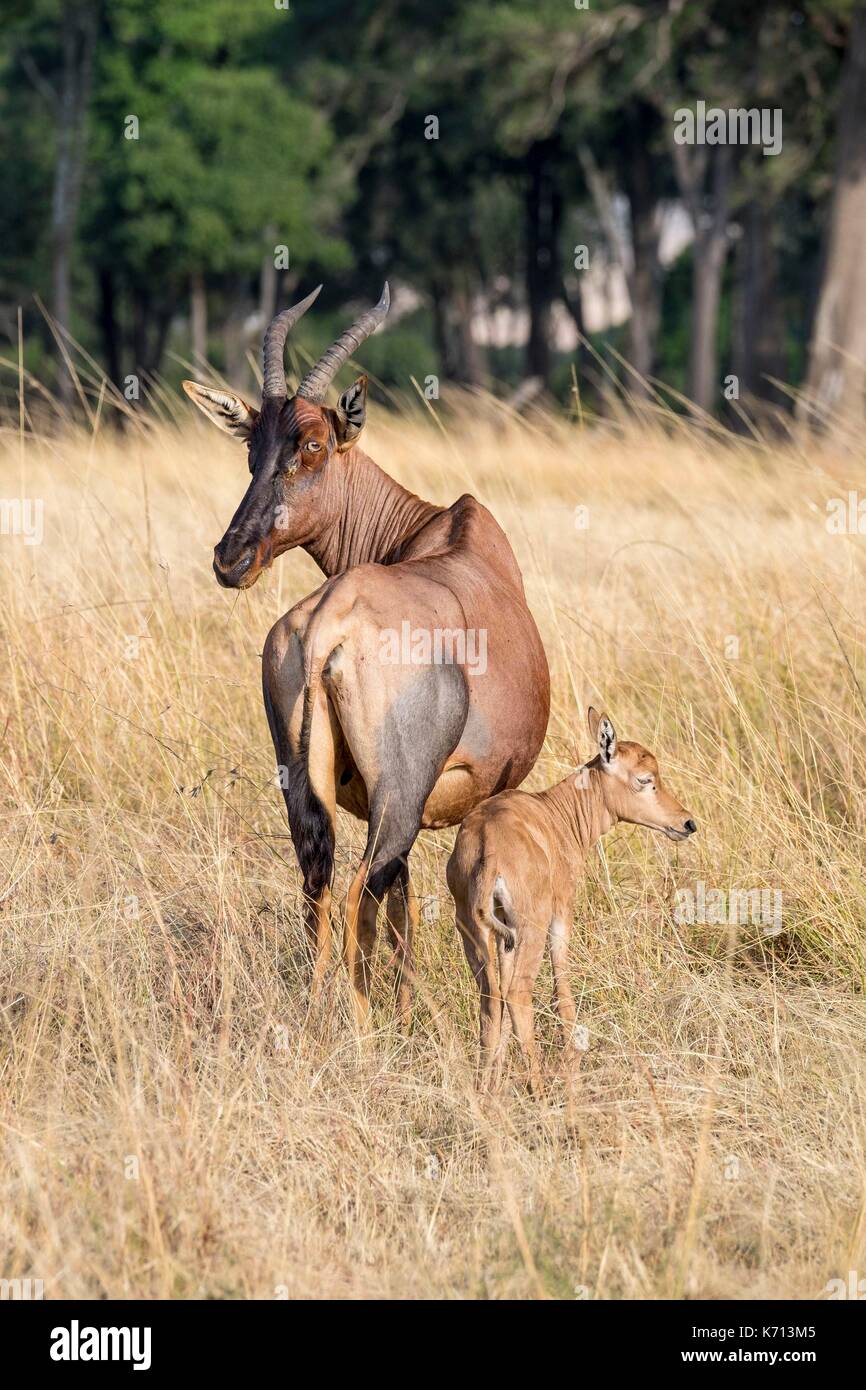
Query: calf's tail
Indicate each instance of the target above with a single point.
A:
(493, 907)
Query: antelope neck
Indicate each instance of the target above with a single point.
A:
(375, 517)
(580, 811)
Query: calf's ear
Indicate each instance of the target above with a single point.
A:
(603, 732)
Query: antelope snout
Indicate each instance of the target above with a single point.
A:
(230, 569)
(680, 829)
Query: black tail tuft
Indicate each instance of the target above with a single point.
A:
(312, 832)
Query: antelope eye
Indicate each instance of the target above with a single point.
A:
(313, 446)
(645, 781)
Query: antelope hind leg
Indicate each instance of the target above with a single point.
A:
(402, 919)
(308, 782)
(400, 723)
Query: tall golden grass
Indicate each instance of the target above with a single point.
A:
(171, 1122)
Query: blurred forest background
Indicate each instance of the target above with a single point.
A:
(172, 174)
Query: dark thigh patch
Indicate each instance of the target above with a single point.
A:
(422, 726)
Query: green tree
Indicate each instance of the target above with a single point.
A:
(206, 164)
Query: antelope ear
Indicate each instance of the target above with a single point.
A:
(604, 734)
(350, 414)
(229, 412)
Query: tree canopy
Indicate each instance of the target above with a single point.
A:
(169, 175)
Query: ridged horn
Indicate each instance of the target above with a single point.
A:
(317, 381)
(274, 346)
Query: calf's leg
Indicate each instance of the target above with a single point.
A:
(558, 935)
(518, 972)
(478, 946)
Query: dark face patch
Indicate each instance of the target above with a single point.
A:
(283, 434)
(289, 450)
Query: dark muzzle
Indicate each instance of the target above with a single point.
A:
(231, 563)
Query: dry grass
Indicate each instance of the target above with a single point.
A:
(170, 1123)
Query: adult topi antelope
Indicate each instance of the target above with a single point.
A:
(376, 697)
(513, 872)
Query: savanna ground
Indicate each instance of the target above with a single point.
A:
(172, 1125)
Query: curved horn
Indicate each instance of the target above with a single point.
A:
(317, 381)
(273, 367)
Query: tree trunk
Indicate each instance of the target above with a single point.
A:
(78, 40)
(461, 359)
(639, 260)
(643, 327)
(108, 325)
(543, 269)
(704, 386)
(268, 280)
(198, 318)
(440, 327)
(644, 272)
(837, 354)
(151, 321)
(164, 316)
(571, 297)
(140, 325)
(235, 366)
(709, 252)
(472, 368)
(759, 330)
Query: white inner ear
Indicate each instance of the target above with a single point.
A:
(228, 412)
(606, 741)
(353, 408)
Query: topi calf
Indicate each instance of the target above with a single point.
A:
(513, 874)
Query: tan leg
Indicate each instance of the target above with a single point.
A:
(519, 975)
(358, 942)
(320, 767)
(317, 920)
(501, 1053)
(479, 951)
(558, 936)
(492, 1007)
(402, 919)
(506, 975)
(520, 1007)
